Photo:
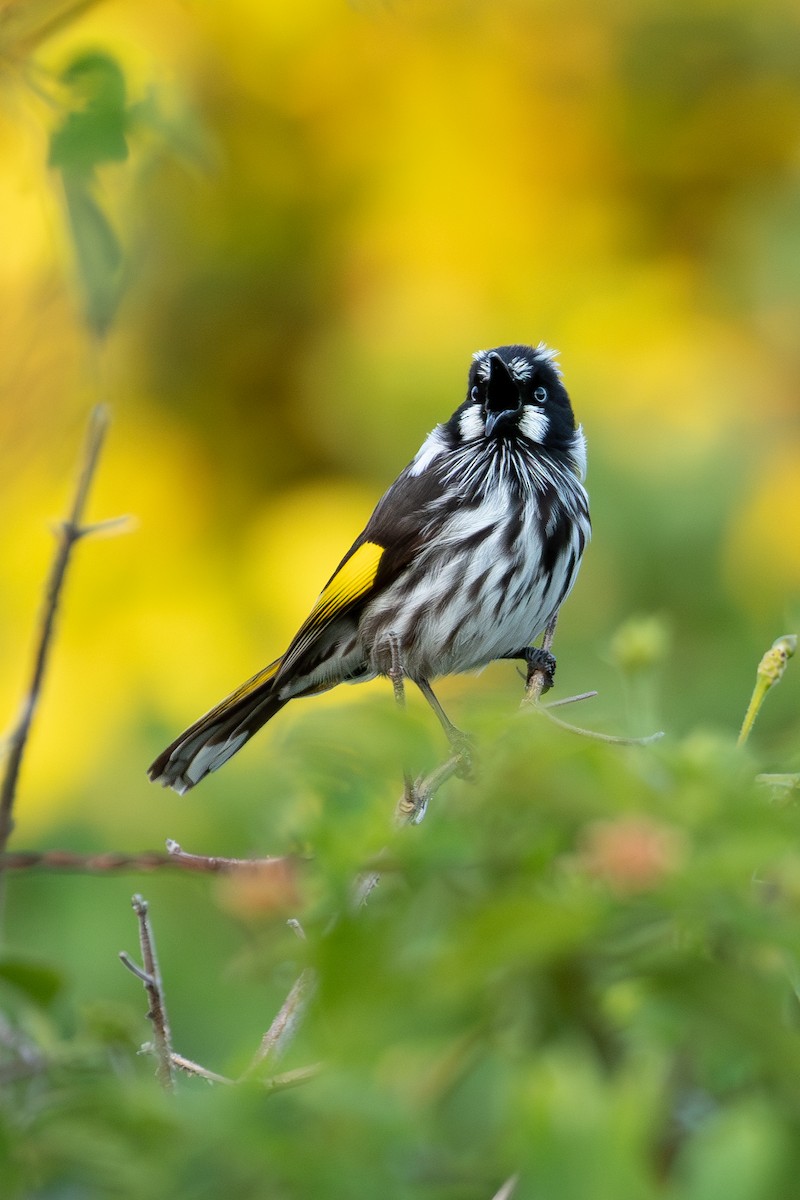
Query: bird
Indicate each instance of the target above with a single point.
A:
(466, 559)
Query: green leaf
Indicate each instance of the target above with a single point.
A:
(98, 252)
(38, 981)
(94, 130)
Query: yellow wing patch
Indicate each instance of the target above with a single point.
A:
(353, 580)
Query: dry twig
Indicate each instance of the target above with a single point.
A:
(508, 1189)
(277, 1038)
(108, 862)
(150, 976)
(69, 532)
(532, 699)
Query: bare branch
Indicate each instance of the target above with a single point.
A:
(128, 962)
(151, 978)
(275, 1083)
(570, 700)
(280, 1033)
(532, 699)
(508, 1189)
(146, 860)
(69, 532)
(192, 1068)
(612, 739)
(290, 1079)
(201, 862)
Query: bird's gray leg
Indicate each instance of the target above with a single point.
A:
(460, 741)
(408, 802)
(396, 672)
(454, 735)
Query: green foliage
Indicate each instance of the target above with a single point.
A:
(577, 968)
(92, 134)
(39, 982)
(94, 130)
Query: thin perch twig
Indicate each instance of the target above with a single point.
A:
(108, 862)
(151, 978)
(532, 699)
(283, 1028)
(202, 862)
(70, 531)
(192, 1068)
(612, 739)
(508, 1189)
(290, 1079)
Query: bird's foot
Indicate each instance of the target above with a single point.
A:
(543, 661)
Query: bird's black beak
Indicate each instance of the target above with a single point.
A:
(503, 401)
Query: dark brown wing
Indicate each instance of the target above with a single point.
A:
(390, 541)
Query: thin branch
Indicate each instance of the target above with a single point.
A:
(128, 962)
(201, 862)
(275, 1083)
(532, 699)
(192, 1068)
(570, 700)
(151, 978)
(109, 862)
(280, 1033)
(69, 532)
(290, 1079)
(508, 1189)
(273, 1044)
(612, 739)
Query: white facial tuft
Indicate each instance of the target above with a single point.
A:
(578, 453)
(472, 424)
(521, 366)
(483, 366)
(533, 423)
(520, 369)
(430, 449)
(544, 354)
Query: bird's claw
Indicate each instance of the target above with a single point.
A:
(543, 661)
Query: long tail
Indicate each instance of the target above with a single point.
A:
(215, 737)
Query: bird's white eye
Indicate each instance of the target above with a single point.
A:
(474, 394)
(540, 395)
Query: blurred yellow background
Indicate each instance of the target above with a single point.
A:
(326, 209)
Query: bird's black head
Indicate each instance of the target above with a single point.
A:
(516, 391)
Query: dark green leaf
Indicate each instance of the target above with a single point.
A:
(94, 130)
(38, 981)
(98, 253)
